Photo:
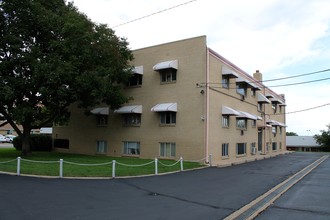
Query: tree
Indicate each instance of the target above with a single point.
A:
(290, 133)
(324, 139)
(52, 56)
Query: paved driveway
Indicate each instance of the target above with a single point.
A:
(211, 193)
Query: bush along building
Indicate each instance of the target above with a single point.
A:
(188, 101)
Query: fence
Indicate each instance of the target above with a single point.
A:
(113, 163)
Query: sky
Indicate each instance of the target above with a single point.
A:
(280, 38)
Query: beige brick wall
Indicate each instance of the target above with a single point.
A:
(198, 131)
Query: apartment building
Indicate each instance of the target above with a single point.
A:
(188, 101)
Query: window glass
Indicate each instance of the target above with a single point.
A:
(131, 148)
(225, 82)
(241, 123)
(241, 89)
(240, 148)
(132, 119)
(102, 120)
(225, 121)
(168, 75)
(168, 118)
(167, 149)
(274, 146)
(135, 80)
(101, 147)
(224, 149)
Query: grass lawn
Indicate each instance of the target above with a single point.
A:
(47, 163)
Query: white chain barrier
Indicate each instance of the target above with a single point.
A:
(113, 162)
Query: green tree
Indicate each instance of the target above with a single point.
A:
(52, 56)
(324, 139)
(290, 133)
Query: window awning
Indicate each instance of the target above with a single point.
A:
(138, 70)
(263, 99)
(165, 107)
(166, 65)
(229, 73)
(249, 116)
(100, 111)
(129, 109)
(275, 123)
(249, 84)
(229, 111)
(275, 100)
(268, 95)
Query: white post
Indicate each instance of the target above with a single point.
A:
(18, 166)
(61, 168)
(210, 160)
(181, 164)
(113, 169)
(156, 166)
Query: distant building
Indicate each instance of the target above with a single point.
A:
(302, 143)
(188, 101)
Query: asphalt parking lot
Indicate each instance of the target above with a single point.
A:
(211, 193)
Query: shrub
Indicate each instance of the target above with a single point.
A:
(38, 142)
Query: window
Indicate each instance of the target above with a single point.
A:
(280, 145)
(225, 121)
(253, 148)
(260, 107)
(101, 147)
(253, 92)
(274, 146)
(267, 146)
(274, 107)
(132, 119)
(131, 148)
(241, 123)
(102, 120)
(168, 75)
(135, 80)
(225, 82)
(280, 130)
(167, 149)
(274, 129)
(241, 148)
(241, 89)
(254, 123)
(167, 118)
(224, 150)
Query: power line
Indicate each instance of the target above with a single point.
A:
(155, 13)
(299, 83)
(304, 110)
(295, 76)
(283, 78)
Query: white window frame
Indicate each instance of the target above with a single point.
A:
(101, 147)
(254, 123)
(132, 119)
(131, 148)
(225, 82)
(135, 80)
(225, 121)
(238, 145)
(274, 146)
(241, 89)
(167, 118)
(225, 150)
(167, 149)
(240, 125)
(101, 120)
(168, 75)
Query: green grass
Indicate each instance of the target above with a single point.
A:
(44, 166)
